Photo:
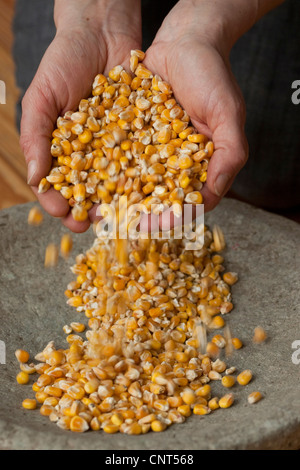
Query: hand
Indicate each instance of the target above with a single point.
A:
(197, 67)
(92, 37)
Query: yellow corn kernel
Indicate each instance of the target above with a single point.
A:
(51, 255)
(95, 424)
(66, 244)
(228, 381)
(142, 72)
(254, 397)
(111, 428)
(212, 349)
(85, 137)
(46, 410)
(78, 424)
(185, 133)
(56, 358)
(226, 401)
(237, 343)
(79, 192)
(259, 335)
(194, 197)
(158, 426)
(230, 278)
(75, 301)
(203, 177)
(188, 396)
(44, 185)
(178, 126)
(203, 391)
(66, 192)
(201, 410)
(219, 240)
(117, 419)
(185, 410)
(29, 404)
(35, 216)
(244, 377)
(77, 327)
(217, 322)
(185, 162)
(197, 138)
(22, 355)
(53, 391)
(164, 135)
(213, 403)
(209, 148)
(22, 378)
(41, 396)
(79, 213)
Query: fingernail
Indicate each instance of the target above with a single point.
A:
(31, 170)
(221, 184)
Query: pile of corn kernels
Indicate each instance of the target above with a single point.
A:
(130, 138)
(157, 334)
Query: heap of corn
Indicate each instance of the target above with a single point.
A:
(156, 335)
(130, 138)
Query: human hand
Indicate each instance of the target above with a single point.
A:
(92, 37)
(194, 60)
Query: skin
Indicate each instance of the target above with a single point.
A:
(190, 51)
(91, 38)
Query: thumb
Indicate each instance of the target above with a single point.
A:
(39, 112)
(38, 115)
(230, 155)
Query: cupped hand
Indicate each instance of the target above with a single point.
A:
(65, 75)
(205, 87)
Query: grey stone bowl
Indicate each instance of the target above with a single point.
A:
(261, 247)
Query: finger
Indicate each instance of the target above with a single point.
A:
(74, 226)
(53, 202)
(230, 155)
(38, 116)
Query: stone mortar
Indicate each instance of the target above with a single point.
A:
(261, 247)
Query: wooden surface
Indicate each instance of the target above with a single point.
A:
(13, 172)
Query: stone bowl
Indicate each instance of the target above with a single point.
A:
(261, 247)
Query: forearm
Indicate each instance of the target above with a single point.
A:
(222, 22)
(120, 15)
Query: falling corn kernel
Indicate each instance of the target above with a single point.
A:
(51, 255)
(259, 335)
(218, 237)
(66, 245)
(35, 216)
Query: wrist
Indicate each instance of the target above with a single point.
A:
(218, 23)
(97, 15)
